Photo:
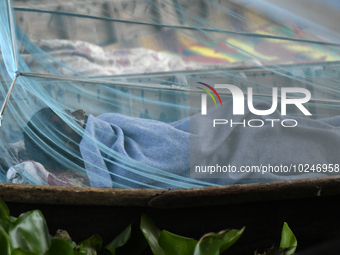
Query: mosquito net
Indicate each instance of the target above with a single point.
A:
(168, 93)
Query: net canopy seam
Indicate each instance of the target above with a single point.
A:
(165, 87)
(11, 22)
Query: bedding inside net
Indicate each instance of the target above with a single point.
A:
(83, 58)
(140, 113)
(327, 129)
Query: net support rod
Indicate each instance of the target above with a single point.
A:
(173, 87)
(90, 80)
(11, 22)
(7, 99)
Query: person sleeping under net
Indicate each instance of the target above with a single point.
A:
(46, 127)
(122, 151)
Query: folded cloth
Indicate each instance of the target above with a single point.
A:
(28, 172)
(112, 140)
(31, 172)
(146, 141)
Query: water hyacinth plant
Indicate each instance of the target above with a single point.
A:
(29, 235)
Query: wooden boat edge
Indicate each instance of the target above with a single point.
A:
(218, 195)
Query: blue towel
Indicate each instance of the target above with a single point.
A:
(181, 146)
(149, 142)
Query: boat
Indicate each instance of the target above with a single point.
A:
(158, 61)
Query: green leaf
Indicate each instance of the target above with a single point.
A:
(5, 224)
(60, 246)
(288, 239)
(86, 251)
(5, 219)
(120, 240)
(20, 251)
(274, 251)
(130, 241)
(231, 237)
(92, 245)
(95, 242)
(4, 211)
(30, 233)
(5, 243)
(214, 244)
(176, 245)
(12, 219)
(83, 252)
(151, 233)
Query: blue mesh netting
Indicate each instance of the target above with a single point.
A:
(136, 68)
